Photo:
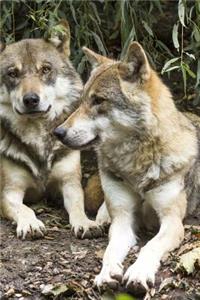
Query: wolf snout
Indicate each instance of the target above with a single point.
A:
(31, 100)
(69, 137)
(60, 133)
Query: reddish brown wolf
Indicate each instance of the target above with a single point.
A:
(148, 156)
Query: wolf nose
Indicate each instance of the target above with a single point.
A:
(60, 133)
(31, 100)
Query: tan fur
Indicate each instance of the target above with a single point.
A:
(33, 162)
(153, 88)
(93, 195)
(148, 156)
(31, 85)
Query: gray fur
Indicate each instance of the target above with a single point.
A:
(36, 154)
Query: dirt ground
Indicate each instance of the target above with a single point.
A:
(60, 266)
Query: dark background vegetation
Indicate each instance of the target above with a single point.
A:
(168, 30)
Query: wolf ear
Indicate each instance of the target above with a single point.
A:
(136, 63)
(94, 58)
(59, 36)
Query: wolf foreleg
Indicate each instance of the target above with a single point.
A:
(120, 203)
(15, 183)
(74, 204)
(67, 172)
(169, 202)
(14, 209)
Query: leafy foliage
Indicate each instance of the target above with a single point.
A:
(189, 18)
(168, 30)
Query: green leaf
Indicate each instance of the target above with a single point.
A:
(181, 12)
(191, 73)
(73, 12)
(175, 36)
(172, 68)
(147, 28)
(122, 7)
(129, 39)
(99, 43)
(168, 63)
(190, 55)
(198, 74)
(81, 65)
(191, 12)
(124, 297)
(187, 68)
(95, 12)
(196, 33)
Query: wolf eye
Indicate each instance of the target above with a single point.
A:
(13, 73)
(46, 69)
(97, 100)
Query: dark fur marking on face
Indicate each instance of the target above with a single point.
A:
(48, 73)
(50, 79)
(10, 83)
(68, 71)
(10, 76)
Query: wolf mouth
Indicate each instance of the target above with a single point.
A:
(34, 112)
(91, 143)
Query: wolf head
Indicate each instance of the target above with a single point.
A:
(119, 98)
(37, 78)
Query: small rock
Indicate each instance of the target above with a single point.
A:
(46, 288)
(38, 268)
(56, 271)
(18, 295)
(26, 292)
(40, 210)
(55, 228)
(96, 270)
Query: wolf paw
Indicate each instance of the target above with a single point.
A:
(30, 227)
(110, 276)
(87, 230)
(104, 222)
(139, 278)
(103, 218)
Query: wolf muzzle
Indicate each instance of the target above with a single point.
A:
(61, 135)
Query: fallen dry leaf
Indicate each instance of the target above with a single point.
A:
(56, 290)
(166, 282)
(188, 260)
(99, 253)
(187, 247)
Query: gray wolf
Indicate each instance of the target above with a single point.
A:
(39, 89)
(148, 156)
